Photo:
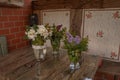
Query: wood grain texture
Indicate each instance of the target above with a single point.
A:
(75, 4)
(15, 62)
(20, 65)
(52, 69)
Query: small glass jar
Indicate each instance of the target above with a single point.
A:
(75, 59)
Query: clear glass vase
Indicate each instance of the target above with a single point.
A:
(76, 60)
(55, 47)
(39, 53)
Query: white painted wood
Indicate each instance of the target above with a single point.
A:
(97, 20)
(56, 17)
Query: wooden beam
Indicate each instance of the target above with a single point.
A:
(54, 5)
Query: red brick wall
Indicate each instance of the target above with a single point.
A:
(12, 25)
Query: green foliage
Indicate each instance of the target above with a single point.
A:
(56, 34)
(82, 46)
(38, 41)
(75, 45)
(37, 34)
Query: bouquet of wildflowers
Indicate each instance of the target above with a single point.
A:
(75, 45)
(37, 34)
(56, 33)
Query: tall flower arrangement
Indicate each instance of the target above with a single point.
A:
(37, 34)
(56, 34)
(75, 45)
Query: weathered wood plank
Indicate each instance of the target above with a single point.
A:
(59, 70)
(21, 66)
(12, 62)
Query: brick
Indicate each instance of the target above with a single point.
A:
(8, 24)
(12, 24)
(22, 18)
(22, 28)
(7, 11)
(27, 12)
(3, 18)
(10, 36)
(13, 30)
(18, 12)
(19, 23)
(1, 25)
(20, 34)
(26, 22)
(16, 41)
(13, 18)
(4, 31)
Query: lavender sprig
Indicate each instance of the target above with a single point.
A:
(77, 39)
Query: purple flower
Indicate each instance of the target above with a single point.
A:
(77, 39)
(70, 40)
(69, 37)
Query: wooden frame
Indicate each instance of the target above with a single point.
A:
(3, 45)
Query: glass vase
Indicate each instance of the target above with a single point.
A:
(55, 47)
(76, 60)
(39, 53)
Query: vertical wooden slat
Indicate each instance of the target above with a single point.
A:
(3, 45)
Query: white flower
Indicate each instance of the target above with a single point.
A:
(35, 32)
(41, 26)
(45, 34)
(31, 34)
(42, 31)
(50, 33)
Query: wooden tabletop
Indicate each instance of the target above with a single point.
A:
(58, 69)
(16, 63)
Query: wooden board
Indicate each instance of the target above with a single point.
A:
(3, 45)
(20, 65)
(52, 69)
(14, 64)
